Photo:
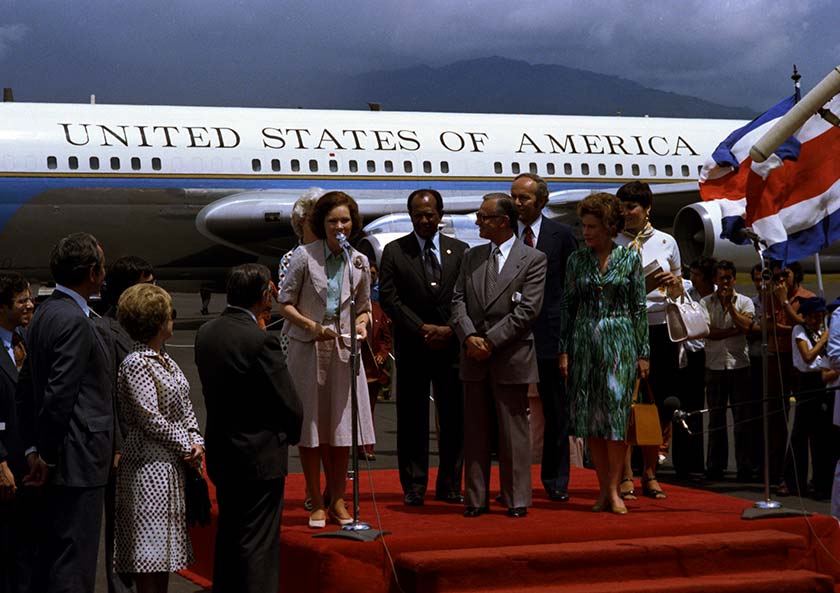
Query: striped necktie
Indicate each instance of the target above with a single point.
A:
(492, 272)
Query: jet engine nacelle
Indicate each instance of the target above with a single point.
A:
(697, 230)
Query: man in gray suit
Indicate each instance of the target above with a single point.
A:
(497, 298)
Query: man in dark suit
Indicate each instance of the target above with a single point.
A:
(15, 313)
(496, 301)
(66, 411)
(253, 415)
(530, 194)
(122, 273)
(417, 276)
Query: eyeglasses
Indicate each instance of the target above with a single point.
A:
(481, 217)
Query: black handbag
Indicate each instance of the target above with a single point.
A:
(196, 497)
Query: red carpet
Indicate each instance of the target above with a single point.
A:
(692, 541)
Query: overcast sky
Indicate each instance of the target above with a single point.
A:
(249, 52)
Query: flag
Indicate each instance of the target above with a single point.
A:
(794, 206)
(724, 176)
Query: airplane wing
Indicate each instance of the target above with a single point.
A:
(259, 222)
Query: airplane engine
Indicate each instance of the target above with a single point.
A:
(697, 231)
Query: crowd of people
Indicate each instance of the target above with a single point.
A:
(95, 414)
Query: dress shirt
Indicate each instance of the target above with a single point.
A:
(818, 364)
(504, 251)
(6, 336)
(334, 269)
(436, 251)
(535, 229)
(729, 353)
(248, 311)
(80, 300)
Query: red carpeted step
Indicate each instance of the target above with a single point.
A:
(610, 561)
(773, 581)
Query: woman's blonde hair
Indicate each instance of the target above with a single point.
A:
(143, 309)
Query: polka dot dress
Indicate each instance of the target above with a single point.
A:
(151, 529)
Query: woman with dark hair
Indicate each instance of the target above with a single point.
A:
(661, 263)
(604, 341)
(162, 435)
(315, 301)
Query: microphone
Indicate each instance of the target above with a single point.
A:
(673, 403)
(342, 241)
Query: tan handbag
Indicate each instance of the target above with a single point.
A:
(643, 426)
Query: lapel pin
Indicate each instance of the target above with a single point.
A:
(448, 252)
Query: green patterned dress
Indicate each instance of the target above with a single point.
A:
(604, 330)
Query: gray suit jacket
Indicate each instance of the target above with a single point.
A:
(505, 317)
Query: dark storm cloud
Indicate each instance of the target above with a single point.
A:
(254, 53)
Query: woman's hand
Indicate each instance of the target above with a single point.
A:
(322, 333)
(643, 365)
(196, 456)
(361, 330)
(563, 365)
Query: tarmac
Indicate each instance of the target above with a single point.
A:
(180, 347)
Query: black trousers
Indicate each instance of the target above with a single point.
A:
(687, 449)
(69, 548)
(20, 532)
(554, 472)
(814, 430)
(117, 583)
(730, 389)
(414, 378)
(247, 553)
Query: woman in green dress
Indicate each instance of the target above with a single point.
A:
(604, 341)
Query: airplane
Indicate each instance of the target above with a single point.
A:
(195, 190)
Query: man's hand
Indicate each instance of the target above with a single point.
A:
(478, 348)
(7, 482)
(117, 456)
(38, 471)
(780, 291)
(436, 336)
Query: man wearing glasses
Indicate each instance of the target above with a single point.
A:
(497, 299)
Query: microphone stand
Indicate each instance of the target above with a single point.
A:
(357, 530)
(767, 508)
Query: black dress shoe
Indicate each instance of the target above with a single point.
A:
(475, 511)
(558, 496)
(413, 499)
(451, 498)
(517, 512)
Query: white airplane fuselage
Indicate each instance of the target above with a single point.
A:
(138, 176)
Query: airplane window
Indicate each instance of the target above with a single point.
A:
(52, 162)
(333, 165)
(549, 168)
(115, 163)
(407, 166)
(669, 170)
(371, 167)
(584, 169)
(389, 167)
(313, 165)
(427, 167)
(699, 169)
(652, 170)
(514, 168)
(256, 165)
(354, 167)
(73, 162)
(94, 163)
(634, 170)
(497, 168)
(295, 165)
(135, 163)
(602, 169)
(156, 164)
(685, 171)
(532, 167)
(619, 169)
(444, 167)
(275, 164)
(567, 168)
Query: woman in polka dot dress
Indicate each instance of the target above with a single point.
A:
(153, 394)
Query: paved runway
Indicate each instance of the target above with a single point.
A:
(180, 348)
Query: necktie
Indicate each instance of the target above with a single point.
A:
(492, 272)
(528, 236)
(431, 264)
(19, 349)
